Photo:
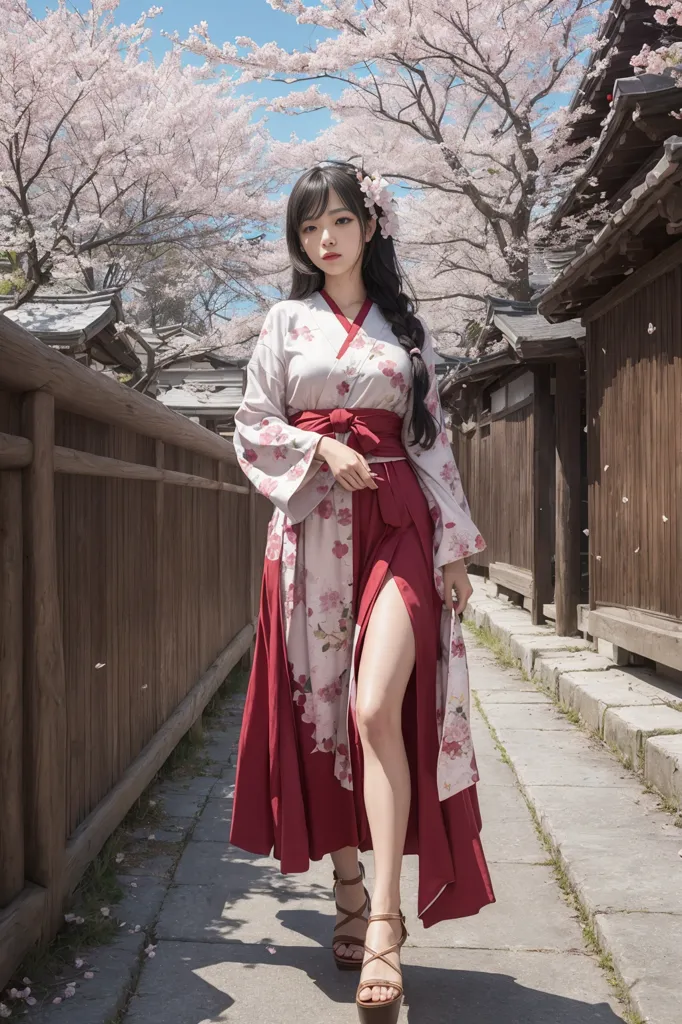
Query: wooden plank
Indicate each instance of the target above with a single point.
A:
(567, 557)
(15, 452)
(662, 264)
(512, 577)
(91, 835)
(20, 924)
(11, 686)
(656, 642)
(28, 364)
(543, 459)
(70, 460)
(44, 682)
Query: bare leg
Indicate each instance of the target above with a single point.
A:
(386, 665)
(351, 897)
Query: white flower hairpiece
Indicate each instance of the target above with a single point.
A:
(377, 194)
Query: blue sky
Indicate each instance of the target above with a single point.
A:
(228, 19)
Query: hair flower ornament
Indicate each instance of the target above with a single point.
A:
(377, 194)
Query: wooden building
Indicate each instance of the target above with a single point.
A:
(627, 288)
(517, 441)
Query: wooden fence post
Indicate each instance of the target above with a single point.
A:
(44, 682)
(543, 453)
(11, 683)
(567, 408)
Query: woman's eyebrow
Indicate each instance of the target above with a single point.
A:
(339, 209)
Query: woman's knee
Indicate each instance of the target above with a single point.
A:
(378, 722)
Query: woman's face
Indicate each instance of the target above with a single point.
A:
(335, 240)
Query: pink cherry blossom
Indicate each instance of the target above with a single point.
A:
(339, 549)
(325, 509)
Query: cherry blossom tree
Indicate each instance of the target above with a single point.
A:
(665, 59)
(453, 100)
(114, 168)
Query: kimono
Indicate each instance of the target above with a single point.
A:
(299, 771)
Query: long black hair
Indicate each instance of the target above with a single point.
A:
(380, 272)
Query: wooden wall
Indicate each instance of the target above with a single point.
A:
(496, 466)
(635, 450)
(124, 603)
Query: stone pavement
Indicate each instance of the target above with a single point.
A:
(239, 943)
(617, 841)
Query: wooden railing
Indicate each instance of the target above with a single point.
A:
(130, 557)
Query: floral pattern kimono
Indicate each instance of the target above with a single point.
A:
(313, 373)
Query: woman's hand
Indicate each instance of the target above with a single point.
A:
(455, 577)
(350, 469)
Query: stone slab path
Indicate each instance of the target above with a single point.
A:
(239, 943)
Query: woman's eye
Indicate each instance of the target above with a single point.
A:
(308, 229)
(343, 220)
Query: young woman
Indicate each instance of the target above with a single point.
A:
(356, 727)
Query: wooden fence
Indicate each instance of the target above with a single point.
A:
(130, 559)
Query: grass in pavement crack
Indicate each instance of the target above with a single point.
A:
(571, 896)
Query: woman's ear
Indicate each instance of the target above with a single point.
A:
(370, 229)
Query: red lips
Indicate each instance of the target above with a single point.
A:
(332, 256)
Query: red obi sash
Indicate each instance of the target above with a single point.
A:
(372, 431)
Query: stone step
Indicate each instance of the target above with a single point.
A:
(636, 712)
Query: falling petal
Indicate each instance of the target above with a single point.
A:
(586, 532)
(100, 664)
(137, 928)
(606, 467)
(31, 1001)
(57, 1000)
(152, 803)
(604, 351)
(151, 837)
(625, 500)
(79, 963)
(145, 686)
(651, 329)
(89, 975)
(665, 519)
(104, 911)
(133, 885)
(271, 949)
(69, 918)
(26, 981)
(80, 920)
(120, 857)
(636, 551)
(585, 429)
(598, 557)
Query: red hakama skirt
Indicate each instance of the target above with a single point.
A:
(287, 800)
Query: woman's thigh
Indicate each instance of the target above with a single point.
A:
(388, 653)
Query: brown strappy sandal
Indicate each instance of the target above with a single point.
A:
(347, 963)
(385, 1012)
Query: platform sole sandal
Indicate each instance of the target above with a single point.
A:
(348, 963)
(387, 1011)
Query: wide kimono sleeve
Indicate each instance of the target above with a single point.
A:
(276, 456)
(455, 535)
